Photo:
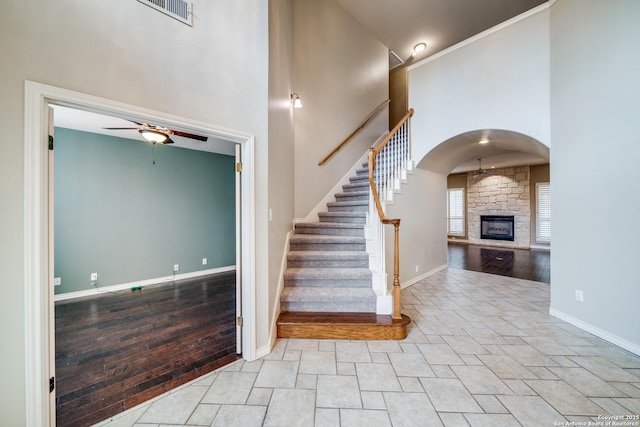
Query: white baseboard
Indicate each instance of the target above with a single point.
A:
(123, 286)
(540, 247)
(601, 333)
(264, 350)
(423, 276)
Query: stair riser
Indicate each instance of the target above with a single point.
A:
(346, 197)
(347, 208)
(328, 231)
(343, 219)
(328, 263)
(359, 179)
(327, 246)
(307, 306)
(361, 186)
(327, 283)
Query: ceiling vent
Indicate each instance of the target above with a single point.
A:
(394, 60)
(178, 9)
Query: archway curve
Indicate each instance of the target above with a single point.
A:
(505, 148)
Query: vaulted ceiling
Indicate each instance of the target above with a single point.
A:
(401, 24)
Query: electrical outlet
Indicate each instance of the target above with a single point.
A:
(176, 267)
(57, 281)
(94, 277)
(579, 295)
(204, 261)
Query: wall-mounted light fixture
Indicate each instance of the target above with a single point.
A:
(154, 136)
(296, 101)
(418, 48)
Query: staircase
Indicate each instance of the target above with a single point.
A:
(328, 290)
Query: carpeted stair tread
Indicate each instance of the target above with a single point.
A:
(357, 300)
(357, 205)
(343, 217)
(352, 195)
(343, 225)
(328, 259)
(325, 238)
(328, 277)
(290, 294)
(323, 255)
(360, 186)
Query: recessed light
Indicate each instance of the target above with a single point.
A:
(419, 48)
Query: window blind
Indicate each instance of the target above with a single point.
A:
(543, 212)
(455, 211)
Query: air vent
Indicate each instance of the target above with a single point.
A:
(178, 9)
(394, 60)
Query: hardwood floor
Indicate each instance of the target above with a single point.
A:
(529, 264)
(119, 349)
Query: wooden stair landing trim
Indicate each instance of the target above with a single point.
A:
(341, 326)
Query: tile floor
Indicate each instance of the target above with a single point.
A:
(482, 351)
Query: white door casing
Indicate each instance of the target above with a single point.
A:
(38, 274)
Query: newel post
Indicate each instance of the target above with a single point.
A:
(396, 270)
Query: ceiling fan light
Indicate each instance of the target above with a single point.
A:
(153, 136)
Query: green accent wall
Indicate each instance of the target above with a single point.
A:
(120, 215)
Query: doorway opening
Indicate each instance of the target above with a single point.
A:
(144, 267)
(39, 275)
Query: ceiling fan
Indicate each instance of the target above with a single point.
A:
(479, 171)
(158, 134)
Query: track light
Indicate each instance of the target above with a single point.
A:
(296, 101)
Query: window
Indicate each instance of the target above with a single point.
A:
(543, 213)
(455, 211)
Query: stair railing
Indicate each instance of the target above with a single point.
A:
(392, 155)
(370, 117)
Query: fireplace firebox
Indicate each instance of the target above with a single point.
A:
(496, 227)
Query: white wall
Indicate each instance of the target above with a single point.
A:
(281, 140)
(499, 81)
(595, 112)
(341, 74)
(422, 211)
(127, 52)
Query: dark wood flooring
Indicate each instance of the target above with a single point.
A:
(529, 264)
(119, 349)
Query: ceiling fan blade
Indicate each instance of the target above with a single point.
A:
(189, 135)
(119, 128)
(168, 141)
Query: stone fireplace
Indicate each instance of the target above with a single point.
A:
(500, 192)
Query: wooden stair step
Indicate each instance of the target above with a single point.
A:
(348, 326)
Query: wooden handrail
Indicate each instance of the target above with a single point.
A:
(373, 152)
(370, 117)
